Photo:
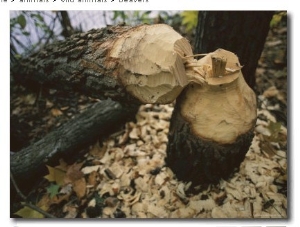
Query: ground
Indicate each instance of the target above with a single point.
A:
(125, 175)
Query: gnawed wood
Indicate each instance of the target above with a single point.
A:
(145, 64)
(212, 123)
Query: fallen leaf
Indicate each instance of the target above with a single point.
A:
(62, 165)
(27, 212)
(111, 201)
(97, 150)
(55, 175)
(92, 179)
(56, 112)
(59, 198)
(73, 173)
(52, 189)
(79, 187)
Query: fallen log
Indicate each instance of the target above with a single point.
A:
(99, 120)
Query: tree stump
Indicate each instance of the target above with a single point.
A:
(212, 124)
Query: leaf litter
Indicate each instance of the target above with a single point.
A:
(132, 180)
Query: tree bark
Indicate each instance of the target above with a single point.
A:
(80, 63)
(100, 120)
(212, 124)
(102, 63)
(201, 161)
(241, 32)
(142, 64)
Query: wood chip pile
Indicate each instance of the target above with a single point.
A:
(126, 176)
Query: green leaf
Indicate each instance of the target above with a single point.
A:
(25, 33)
(275, 130)
(274, 127)
(276, 19)
(53, 190)
(21, 21)
(37, 16)
(189, 19)
(27, 212)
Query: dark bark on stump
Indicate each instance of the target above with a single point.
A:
(241, 32)
(201, 161)
(100, 120)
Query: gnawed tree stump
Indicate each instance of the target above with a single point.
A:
(212, 123)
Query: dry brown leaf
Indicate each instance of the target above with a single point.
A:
(79, 187)
(92, 178)
(73, 173)
(56, 112)
(59, 198)
(111, 201)
(55, 175)
(97, 150)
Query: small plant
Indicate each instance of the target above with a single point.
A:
(277, 18)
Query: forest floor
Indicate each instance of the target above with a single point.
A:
(125, 175)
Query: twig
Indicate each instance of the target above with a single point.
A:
(16, 187)
(32, 206)
(36, 208)
(195, 55)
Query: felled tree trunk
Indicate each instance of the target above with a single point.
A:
(212, 124)
(142, 64)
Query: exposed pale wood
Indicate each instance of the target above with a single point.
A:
(145, 62)
(151, 62)
(218, 66)
(212, 123)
